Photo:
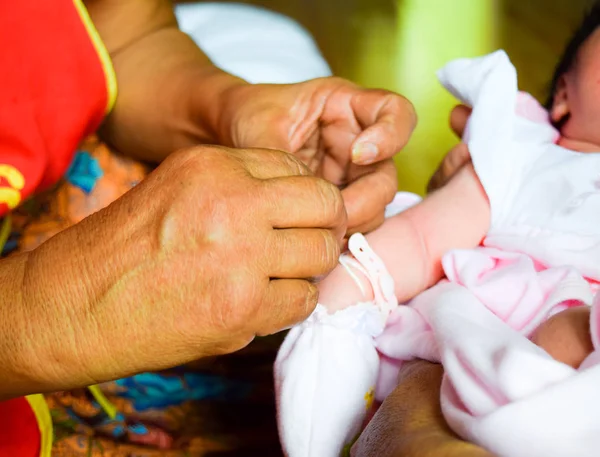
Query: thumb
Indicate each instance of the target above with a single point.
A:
(458, 119)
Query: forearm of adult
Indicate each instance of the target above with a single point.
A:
(170, 95)
(65, 304)
(409, 423)
(164, 275)
(98, 301)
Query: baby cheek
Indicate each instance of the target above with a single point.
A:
(566, 336)
(585, 109)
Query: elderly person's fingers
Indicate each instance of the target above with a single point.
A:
(457, 158)
(458, 119)
(367, 196)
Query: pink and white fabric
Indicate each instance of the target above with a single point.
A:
(541, 255)
(327, 367)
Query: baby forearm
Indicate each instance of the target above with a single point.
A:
(412, 244)
(400, 246)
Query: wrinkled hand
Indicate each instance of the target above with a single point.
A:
(214, 247)
(458, 156)
(171, 97)
(344, 133)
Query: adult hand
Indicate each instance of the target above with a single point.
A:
(344, 133)
(171, 96)
(458, 156)
(214, 247)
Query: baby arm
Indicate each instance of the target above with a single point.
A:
(413, 243)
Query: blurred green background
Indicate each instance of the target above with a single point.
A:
(399, 44)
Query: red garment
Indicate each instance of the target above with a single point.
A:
(53, 92)
(19, 432)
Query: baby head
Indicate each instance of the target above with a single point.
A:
(574, 103)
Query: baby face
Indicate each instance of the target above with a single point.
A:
(577, 99)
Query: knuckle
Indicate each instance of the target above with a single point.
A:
(293, 163)
(198, 158)
(403, 106)
(407, 106)
(332, 81)
(330, 197)
(311, 297)
(296, 294)
(301, 299)
(240, 304)
(388, 184)
(338, 80)
(198, 153)
(399, 103)
(330, 251)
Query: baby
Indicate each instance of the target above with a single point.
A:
(516, 235)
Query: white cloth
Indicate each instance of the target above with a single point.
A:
(500, 390)
(326, 371)
(325, 376)
(545, 199)
(255, 44)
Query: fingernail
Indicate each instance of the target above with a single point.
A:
(364, 153)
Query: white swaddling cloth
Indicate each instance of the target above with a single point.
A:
(500, 390)
(541, 255)
(326, 370)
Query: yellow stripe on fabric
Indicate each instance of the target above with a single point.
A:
(105, 60)
(105, 404)
(44, 419)
(5, 231)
